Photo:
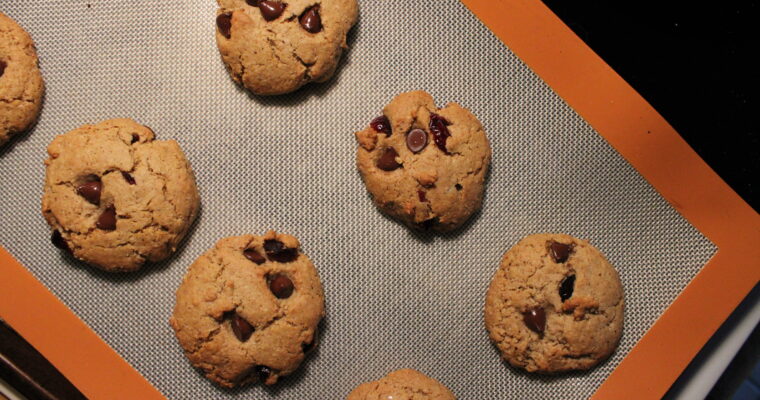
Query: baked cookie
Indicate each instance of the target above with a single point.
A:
(275, 47)
(555, 304)
(248, 309)
(423, 165)
(404, 384)
(115, 197)
(21, 83)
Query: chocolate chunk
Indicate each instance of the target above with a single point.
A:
(281, 286)
(310, 20)
(560, 251)
(135, 138)
(566, 287)
(59, 241)
(277, 251)
(387, 162)
(224, 23)
(270, 10)
(381, 124)
(241, 328)
(128, 178)
(263, 372)
(107, 220)
(535, 319)
(421, 195)
(3, 64)
(90, 191)
(253, 3)
(254, 256)
(438, 127)
(458, 186)
(416, 140)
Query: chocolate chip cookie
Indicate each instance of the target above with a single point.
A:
(404, 384)
(274, 47)
(424, 165)
(115, 197)
(248, 309)
(21, 84)
(555, 304)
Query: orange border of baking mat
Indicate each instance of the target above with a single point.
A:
(614, 110)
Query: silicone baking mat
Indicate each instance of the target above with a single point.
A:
(394, 298)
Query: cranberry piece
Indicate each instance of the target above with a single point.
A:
(381, 124)
(224, 23)
(387, 162)
(535, 319)
(438, 127)
(421, 195)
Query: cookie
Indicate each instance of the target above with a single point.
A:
(555, 304)
(115, 197)
(404, 384)
(248, 309)
(423, 165)
(21, 85)
(275, 47)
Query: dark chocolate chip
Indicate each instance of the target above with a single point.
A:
(253, 3)
(59, 241)
(416, 140)
(224, 23)
(135, 138)
(429, 223)
(387, 161)
(241, 328)
(263, 372)
(254, 256)
(310, 20)
(281, 286)
(566, 287)
(535, 319)
(107, 220)
(277, 251)
(128, 178)
(560, 251)
(3, 64)
(381, 124)
(270, 10)
(90, 191)
(421, 195)
(458, 186)
(438, 127)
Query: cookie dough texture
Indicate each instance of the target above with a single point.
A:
(223, 282)
(279, 56)
(21, 84)
(404, 384)
(431, 189)
(580, 331)
(148, 183)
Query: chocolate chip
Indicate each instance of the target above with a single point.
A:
(560, 251)
(535, 319)
(254, 256)
(128, 178)
(309, 346)
(135, 138)
(59, 241)
(381, 124)
(429, 223)
(277, 251)
(310, 20)
(90, 191)
(438, 127)
(241, 328)
(224, 23)
(387, 162)
(270, 10)
(458, 186)
(416, 140)
(253, 3)
(281, 286)
(566, 287)
(107, 220)
(421, 195)
(263, 372)
(2, 67)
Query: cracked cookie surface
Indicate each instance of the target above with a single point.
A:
(275, 47)
(115, 197)
(403, 384)
(21, 84)
(555, 304)
(247, 310)
(423, 165)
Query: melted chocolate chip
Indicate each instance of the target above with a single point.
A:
(387, 161)
(381, 124)
(90, 191)
(560, 251)
(127, 177)
(421, 195)
(263, 372)
(270, 10)
(3, 64)
(59, 241)
(438, 127)
(535, 319)
(241, 328)
(566, 287)
(254, 256)
(135, 138)
(224, 23)
(107, 220)
(458, 186)
(416, 140)
(281, 286)
(310, 20)
(277, 251)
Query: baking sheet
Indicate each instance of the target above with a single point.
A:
(394, 298)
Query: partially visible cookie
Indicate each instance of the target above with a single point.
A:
(424, 165)
(275, 47)
(555, 304)
(248, 309)
(21, 85)
(115, 197)
(403, 384)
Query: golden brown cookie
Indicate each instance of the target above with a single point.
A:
(423, 165)
(555, 304)
(404, 384)
(21, 85)
(275, 47)
(115, 197)
(248, 309)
